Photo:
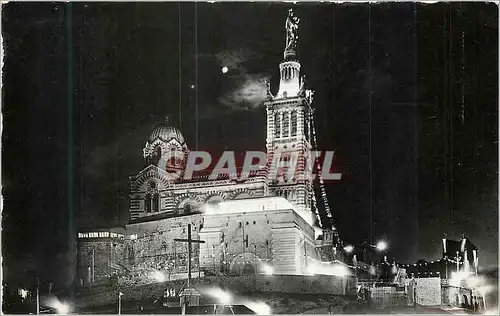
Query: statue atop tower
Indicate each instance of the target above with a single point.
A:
(292, 35)
(290, 66)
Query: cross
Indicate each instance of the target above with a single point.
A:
(190, 243)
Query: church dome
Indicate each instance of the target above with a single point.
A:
(166, 132)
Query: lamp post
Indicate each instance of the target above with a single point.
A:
(120, 303)
(213, 258)
(38, 296)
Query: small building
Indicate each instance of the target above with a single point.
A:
(454, 276)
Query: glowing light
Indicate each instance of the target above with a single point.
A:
(381, 245)
(260, 308)
(372, 270)
(192, 86)
(158, 276)
(61, 308)
(348, 248)
(327, 269)
(267, 269)
(224, 69)
(223, 297)
(23, 293)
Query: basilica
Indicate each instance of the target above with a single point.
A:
(259, 225)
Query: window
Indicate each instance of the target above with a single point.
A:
(156, 202)
(187, 208)
(147, 203)
(306, 129)
(286, 124)
(293, 122)
(277, 125)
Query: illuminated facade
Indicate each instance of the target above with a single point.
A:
(252, 226)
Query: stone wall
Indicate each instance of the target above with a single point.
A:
(429, 291)
(226, 245)
(388, 296)
(319, 284)
(425, 291)
(153, 248)
(457, 296)
(96, 257)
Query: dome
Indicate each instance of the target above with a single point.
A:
(166, 132)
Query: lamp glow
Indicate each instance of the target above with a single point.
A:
(224, 69)
(23, 293)
(62, 308)
(381, 245)
(260, 308)
(349, 248)
(267, 269)
(158, 276)
(223, 297)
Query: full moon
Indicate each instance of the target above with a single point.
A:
(224, 69)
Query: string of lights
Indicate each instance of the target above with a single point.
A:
(324, 197)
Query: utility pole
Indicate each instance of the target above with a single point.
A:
(213, 257)
(93, 265)
(38, 296)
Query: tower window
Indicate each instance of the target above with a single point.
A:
(306, 128)
(286, 124)
(277, 125)
(293, 122)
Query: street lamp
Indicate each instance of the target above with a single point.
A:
(120, 294)
(381, 246)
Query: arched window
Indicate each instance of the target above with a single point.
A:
(156, 155)
(156, 202)
(147, 202)
(306, 129)
(187, 208)
(286, 124)
(293, 122)
(277, 125)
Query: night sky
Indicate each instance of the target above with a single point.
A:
(406, 95)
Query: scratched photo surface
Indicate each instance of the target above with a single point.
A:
(249, 158)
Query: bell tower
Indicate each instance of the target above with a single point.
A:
(288, 142)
